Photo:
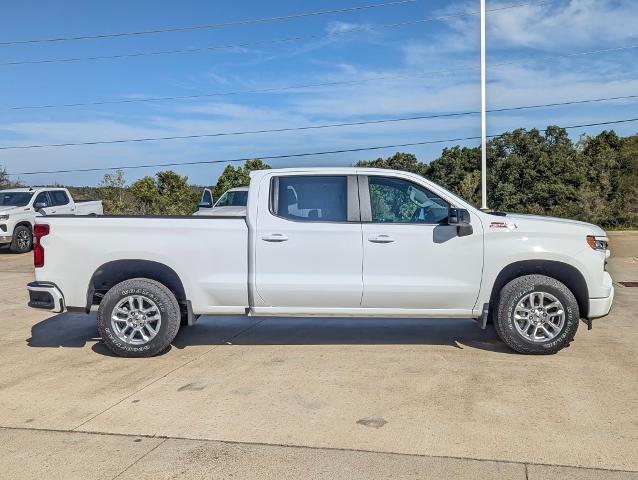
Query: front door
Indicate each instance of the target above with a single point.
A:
(308, 244)
(411, 258)
(43, 198)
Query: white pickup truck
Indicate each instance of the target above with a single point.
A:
(352, 242)
(232, 203)
(20, 206)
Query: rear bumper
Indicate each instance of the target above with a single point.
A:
(46, 295)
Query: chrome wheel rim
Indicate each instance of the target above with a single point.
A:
(136, 320)
(539, 316)
(23, 240)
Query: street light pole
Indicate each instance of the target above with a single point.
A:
(483, 115)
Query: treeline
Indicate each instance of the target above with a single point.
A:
(594, 179)
(165, 194)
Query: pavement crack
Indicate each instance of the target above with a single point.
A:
(140, 458)
(312, 447)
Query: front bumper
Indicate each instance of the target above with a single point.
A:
(47, 296)
(4, 239)
(599, 307)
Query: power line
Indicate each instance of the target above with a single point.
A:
(209, 25)
(311, 127)
(305, 154)
(315, 85)
(258, 42)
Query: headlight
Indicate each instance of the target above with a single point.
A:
(597, 243)
(4, 217)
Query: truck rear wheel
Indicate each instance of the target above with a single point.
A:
(536, 314)
(138, 318)
(22, 240)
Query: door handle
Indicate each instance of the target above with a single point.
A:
(275, 237)
(381, 239)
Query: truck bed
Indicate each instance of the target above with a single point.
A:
(208, 254)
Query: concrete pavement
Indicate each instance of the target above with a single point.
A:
(318, 398)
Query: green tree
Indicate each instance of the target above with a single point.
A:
(609, 194)
(116, 199)
(233, 177)
(399, 161)
(166, 194)
(5, 179)
(458, 169)
(533, 173)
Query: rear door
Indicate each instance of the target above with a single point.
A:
(61, 202)
(412, 259)
(308, 243)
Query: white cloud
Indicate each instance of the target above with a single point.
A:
(573, 23)
(339, 28)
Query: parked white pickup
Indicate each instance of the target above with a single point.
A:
(327, 242)
(20, 206)
(232, 203)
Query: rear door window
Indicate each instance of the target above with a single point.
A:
(59, 197)
(312, 198)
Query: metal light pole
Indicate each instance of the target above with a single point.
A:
(483, 115)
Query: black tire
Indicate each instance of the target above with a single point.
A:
(22, 240)
(508, 300)
(168, 311)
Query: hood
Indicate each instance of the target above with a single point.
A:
(7, 208)
(233, 211)
(529, 222)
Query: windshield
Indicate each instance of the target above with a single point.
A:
(238, 198)
(15, 199)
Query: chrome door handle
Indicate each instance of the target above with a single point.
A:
(381, 239)
(275, 237)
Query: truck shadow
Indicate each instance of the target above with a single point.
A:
(77, 330)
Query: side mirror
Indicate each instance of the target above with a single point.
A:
(461, 218)
(40, 205)
(205, 205)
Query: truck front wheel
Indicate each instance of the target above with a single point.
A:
(536, 314)
(22, 240)
(138, 318)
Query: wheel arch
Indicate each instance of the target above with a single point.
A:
(567, 274)
(111, 273)
(23, 223)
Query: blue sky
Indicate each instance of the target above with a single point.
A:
(518, 35)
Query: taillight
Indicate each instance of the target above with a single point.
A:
(39, 231)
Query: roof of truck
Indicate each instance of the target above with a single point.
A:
(320, 169)
(19, 189)
(30, 189)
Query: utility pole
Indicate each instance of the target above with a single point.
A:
(483, 115)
